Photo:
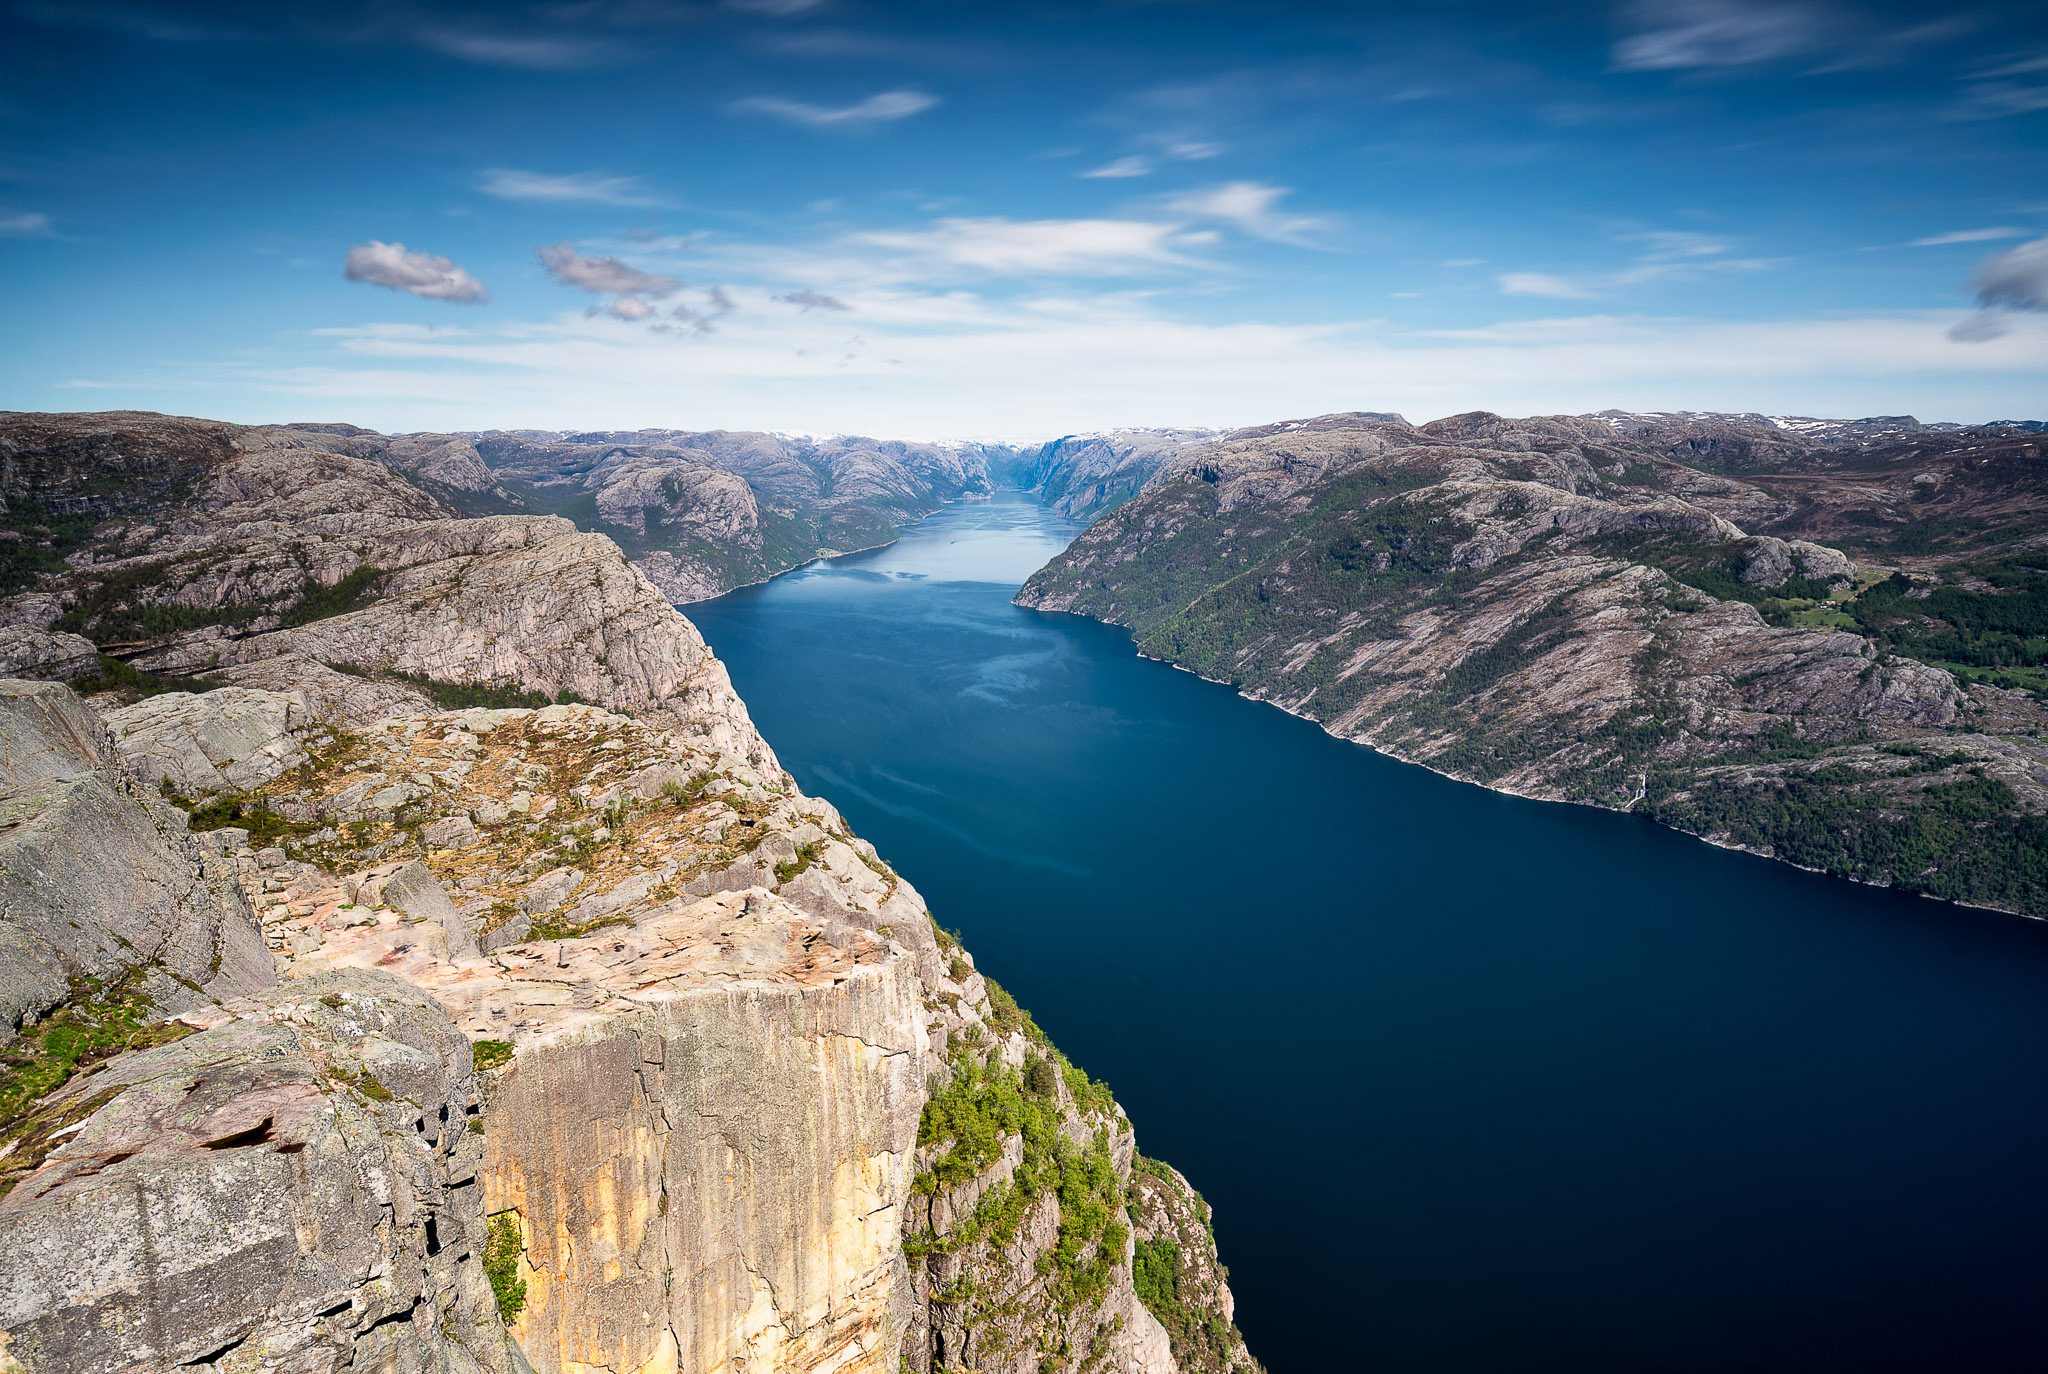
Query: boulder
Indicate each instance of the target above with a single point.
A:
(228, 740)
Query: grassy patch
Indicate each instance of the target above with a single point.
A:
(806, 854)
(503, 1249)
(490, 1054)
(100, 1020)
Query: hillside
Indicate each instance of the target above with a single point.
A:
(702, 513)
(1829, 647)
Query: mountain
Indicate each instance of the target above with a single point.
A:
(1830, 645)
(418, 961)
(1083, 475)
(702, 513)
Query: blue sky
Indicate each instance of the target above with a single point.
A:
(1020, 220)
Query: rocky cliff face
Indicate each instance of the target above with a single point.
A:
(736, 1103)
(1630, 612)
(295, 1189)
(1084, 475)
(101, 889)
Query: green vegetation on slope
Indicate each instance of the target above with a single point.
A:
(503, 1249)
(98, 1021)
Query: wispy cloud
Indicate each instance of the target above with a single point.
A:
(699, 319)
(881, 108)
(1547, 284)
(2000, 99)
(1689, 35)
(27, 225)
(592, 188)
(1119, 169)
(2015, 280)
(1990, 235)
(529, 51)
(426, 275)
(951, 365)
(602, 276)
(807, 300)
(1662, 255)
(1672, 35)
(1250, 206)
(1089, 247)
(775, 9)
(1666, 254)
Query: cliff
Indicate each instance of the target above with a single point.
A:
(580, 1004)
(1633, 612)
(1085, 475)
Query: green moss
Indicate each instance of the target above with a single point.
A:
(490, 1054)
(556, 928)
(503, 1249)
(806, 854)
(364, 1084)
(99, 1020)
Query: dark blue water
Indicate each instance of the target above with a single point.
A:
(1475, 1084)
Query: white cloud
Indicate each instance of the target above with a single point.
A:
(1049, 246)
(1662, 255)
(1967, 236)
(881, 108)
(1251, 206)
(26, 224)
(628, 308)
(594, 188)
(1540, 284)
(603, 276)
(969, 367)
(1121, 168)
(419, 274)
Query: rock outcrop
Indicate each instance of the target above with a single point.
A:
(100, 886)
(295, 1189)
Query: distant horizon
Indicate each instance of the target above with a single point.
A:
(1039, 437)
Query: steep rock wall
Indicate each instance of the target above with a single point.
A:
(718, 1182)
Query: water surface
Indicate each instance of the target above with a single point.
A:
(1474, 1083)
